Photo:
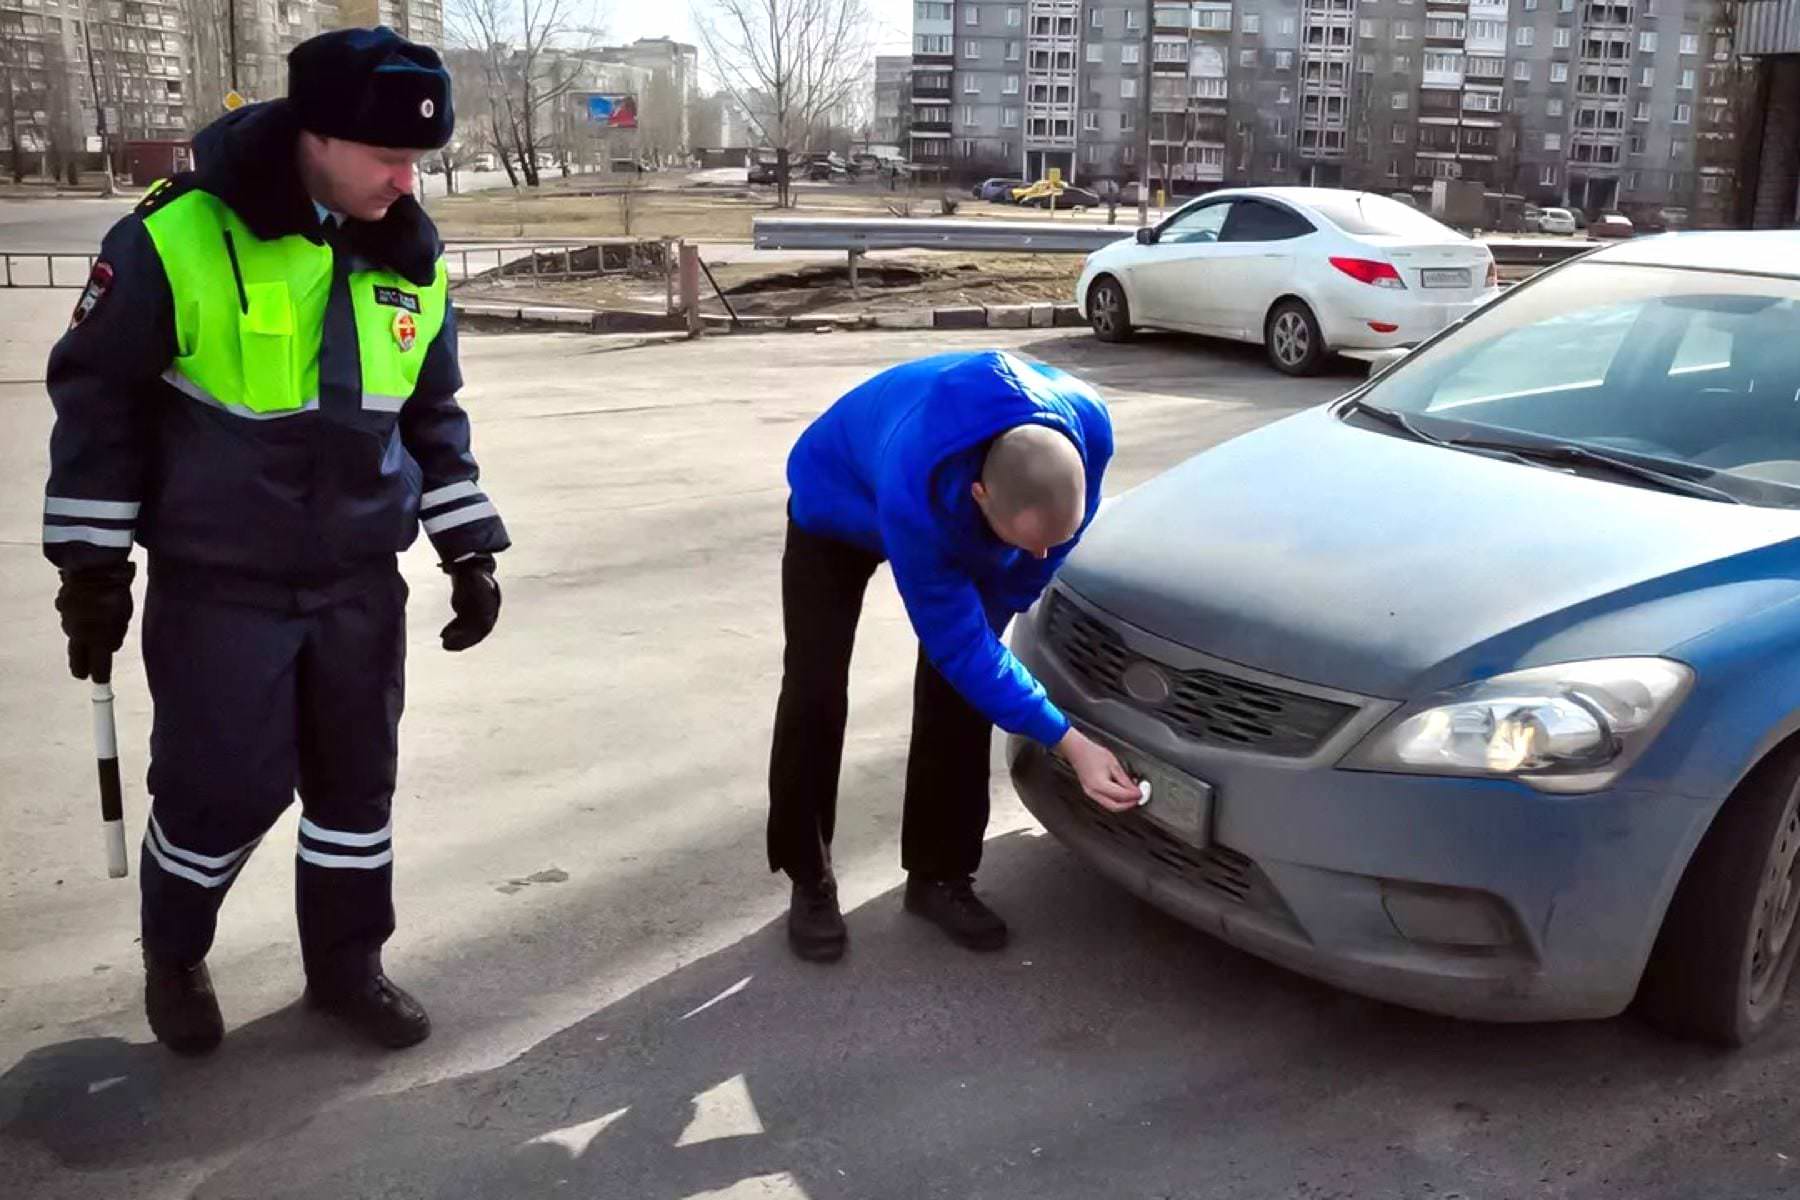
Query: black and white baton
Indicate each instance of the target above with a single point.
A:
(106, 751)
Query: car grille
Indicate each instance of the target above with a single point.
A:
(1215, 868)
(1206, 706)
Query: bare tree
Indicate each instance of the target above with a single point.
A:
(529, 52)
(209, 47)
(788, 64)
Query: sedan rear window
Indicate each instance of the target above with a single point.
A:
(1696, 368)
(1364, 214)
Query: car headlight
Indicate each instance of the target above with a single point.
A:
(1573, 727)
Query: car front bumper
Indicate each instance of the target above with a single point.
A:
(1471, 898)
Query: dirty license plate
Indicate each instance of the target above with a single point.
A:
(1445, 277)
(1179, 803)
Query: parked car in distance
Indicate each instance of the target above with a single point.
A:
(1478, 690)
(1066, 196)
(1612, 225)
(764, 172)
(1304, 271)
(997, 190)
(1556, 220)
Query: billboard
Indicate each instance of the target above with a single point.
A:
(613, 111)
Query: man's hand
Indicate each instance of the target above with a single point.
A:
(95, 604)
(1104, 779)
(475, 598)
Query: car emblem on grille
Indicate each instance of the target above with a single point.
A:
(1145, 683)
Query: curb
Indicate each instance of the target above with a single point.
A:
(997, 316)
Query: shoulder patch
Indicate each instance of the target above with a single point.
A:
(163, 191)
(100, 281)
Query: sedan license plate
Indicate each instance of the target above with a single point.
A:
(1178, 802)
(1444, 277)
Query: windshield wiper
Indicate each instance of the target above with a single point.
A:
(1395, 419)
(1570, 454)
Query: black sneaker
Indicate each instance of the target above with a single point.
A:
(951, 905)
(181, 1005)
(815, 925)
(378, 1008)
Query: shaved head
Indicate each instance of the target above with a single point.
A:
(1033, 488)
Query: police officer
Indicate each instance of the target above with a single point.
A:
(973, 475)
(259, 387)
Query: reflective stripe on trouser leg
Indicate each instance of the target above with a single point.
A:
(351, 672)
(223, 751)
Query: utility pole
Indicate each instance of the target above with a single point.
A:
(231, 39)
(1144, 114)
(87, 45)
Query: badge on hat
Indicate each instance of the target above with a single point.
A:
(406, 330)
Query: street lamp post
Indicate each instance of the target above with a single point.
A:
(87, 45)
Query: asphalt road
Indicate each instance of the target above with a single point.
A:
(584, 905)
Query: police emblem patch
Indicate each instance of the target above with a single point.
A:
(100, 281)
(406, 330)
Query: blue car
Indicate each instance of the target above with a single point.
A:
(1478, 690)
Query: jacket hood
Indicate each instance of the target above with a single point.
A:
(247, 158)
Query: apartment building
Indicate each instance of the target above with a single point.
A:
(48, 92)
(1592, 103)
(418, 20)
(892, 125)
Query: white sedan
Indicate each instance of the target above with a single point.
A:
(1304, 271)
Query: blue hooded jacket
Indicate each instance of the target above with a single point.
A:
(889, 468)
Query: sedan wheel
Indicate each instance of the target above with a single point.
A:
(1293, 339)
(1728, 944)
(1109, 312)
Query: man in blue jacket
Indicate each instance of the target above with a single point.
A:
(973, 475)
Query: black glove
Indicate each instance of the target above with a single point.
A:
(95, 604)
(475, 598)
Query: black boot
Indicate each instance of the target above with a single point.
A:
(815, 925)
(183, 1011)
(377, 1008)
(951, 904)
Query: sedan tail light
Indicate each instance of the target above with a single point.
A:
(1370, 271)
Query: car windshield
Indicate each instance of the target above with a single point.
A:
(1691, 372)
(1362, 214)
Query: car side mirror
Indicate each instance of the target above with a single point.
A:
(1146, 236)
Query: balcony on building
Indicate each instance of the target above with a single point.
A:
(1608, 15)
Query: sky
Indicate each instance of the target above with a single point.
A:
(628, 20)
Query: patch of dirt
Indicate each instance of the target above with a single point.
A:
(890, 283)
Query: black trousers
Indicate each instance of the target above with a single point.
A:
(260, 690)
(822, 586)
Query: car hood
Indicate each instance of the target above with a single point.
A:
(1349, 558)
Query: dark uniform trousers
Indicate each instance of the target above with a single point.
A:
(946, 814)
(261, 689)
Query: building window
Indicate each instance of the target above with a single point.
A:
(1096, 18)
(932, 12)
(1366, 29)
(1012, 52)
(971, 14)
(1090, 153)
(1560, 38)
(1553, 107)
(1559, 72)
(1284, 60)
(1014, 17)
(1522, 71)
(1278, 127)
(966, 148)
(1710, 184)
(1443, 27)
(1690, 43)
(1677, 149)
(932, 43)
(1277, 162)
(1130, 54)
(1252, 23)
(1402, 64)
(1134, 20)
(1399, 135)
(1287, 27)
(1208, 88)
(1010, 118)
(1547, 177)
(1128, 89)
(1127, 121)
(1565, 6)
(1647, 41)
(1128, 155)
(1096, 53)
(1526, 36)
(1687, 79)
(1090, 121)
(1403, 31)
(1642, 112)
(1648, 78)
(1011, 87)
(1636, 143)
(1247, 59)
(968, 116)
(971, 48)
(1684, 114)
(971, 85)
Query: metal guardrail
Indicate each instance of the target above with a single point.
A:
(45, 269)
(1029, 237)
(1041, 237)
